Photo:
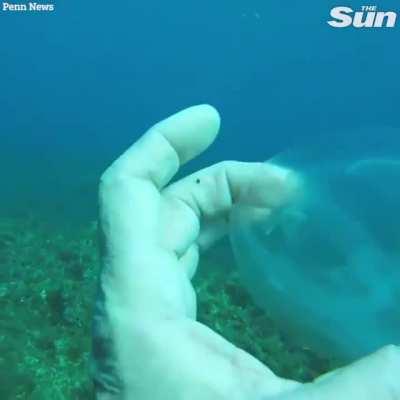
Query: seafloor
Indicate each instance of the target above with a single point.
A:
(47, 285)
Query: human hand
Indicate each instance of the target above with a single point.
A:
(147, 342)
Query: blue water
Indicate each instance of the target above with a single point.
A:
(77, 86)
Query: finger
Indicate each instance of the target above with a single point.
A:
(211, 193)
(211, 232)
(213, 190)
(190, 260)
(371, 378)
(159, 153)
(215, 229)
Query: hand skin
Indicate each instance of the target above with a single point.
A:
(147, 342)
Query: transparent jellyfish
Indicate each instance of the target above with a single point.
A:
(327, 267)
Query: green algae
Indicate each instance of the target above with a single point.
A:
(47, 287)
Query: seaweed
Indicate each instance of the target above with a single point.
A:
(46, 298)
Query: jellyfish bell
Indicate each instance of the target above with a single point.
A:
(326, 266)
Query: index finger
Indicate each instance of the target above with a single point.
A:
(159, 153)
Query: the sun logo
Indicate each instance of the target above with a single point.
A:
(368, 17)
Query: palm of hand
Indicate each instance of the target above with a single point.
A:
(154, 234)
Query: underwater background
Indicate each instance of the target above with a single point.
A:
(80, 84)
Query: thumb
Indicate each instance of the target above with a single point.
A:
(371, 378)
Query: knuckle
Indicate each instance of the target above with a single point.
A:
(106, 180)
(111, 178)
(228, 164)
(224, 164)
(391, 354)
